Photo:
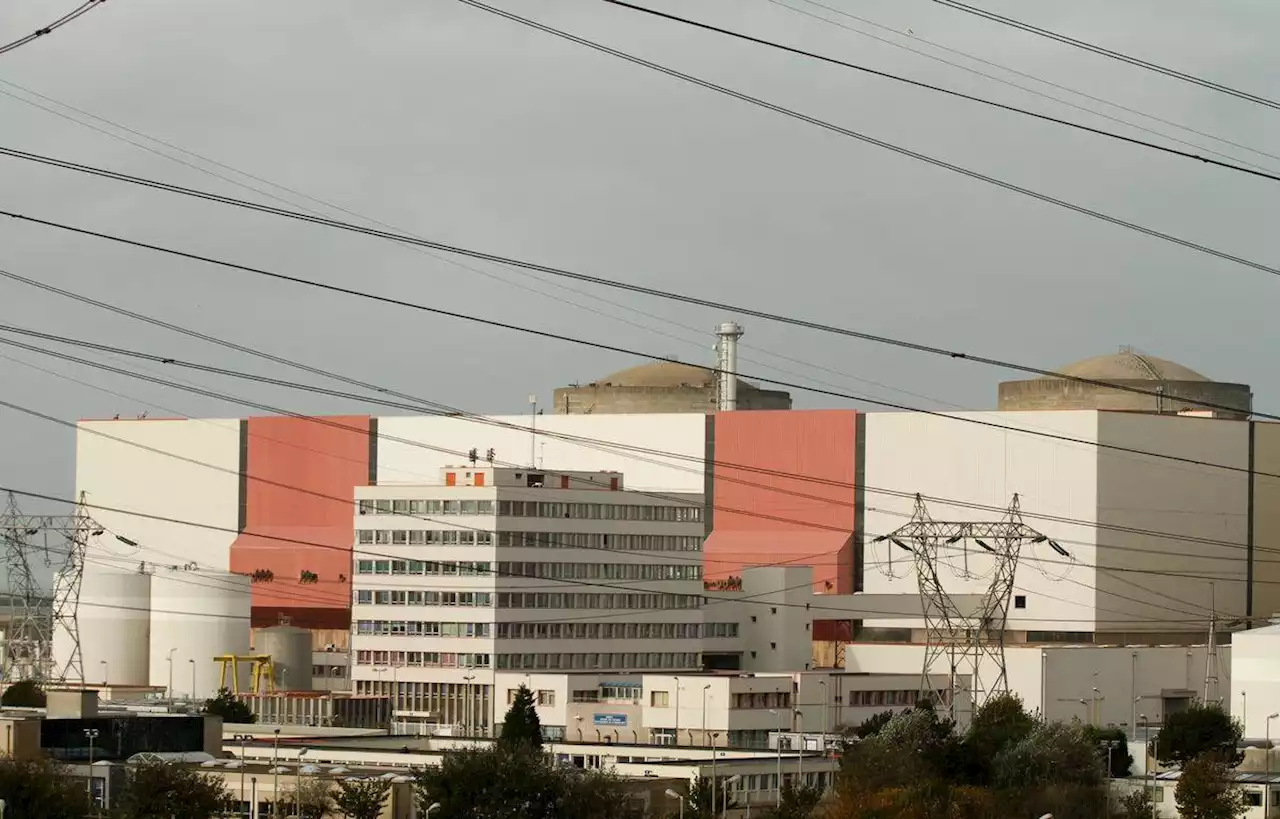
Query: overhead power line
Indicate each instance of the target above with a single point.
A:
(565, 581)
(70, 16)
(1107, 52)
(79, 116)
(870, 140)
(916, 37)
(624, 350)
(295, 596)
(662, 458)
(610, 447)
(520, 263)
(702, 559)
(805, 560)
(939, 89)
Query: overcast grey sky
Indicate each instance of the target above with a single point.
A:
(469, 129)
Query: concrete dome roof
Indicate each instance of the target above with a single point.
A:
(660, 374)
(1128, 365)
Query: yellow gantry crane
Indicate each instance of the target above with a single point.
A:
(262, 677)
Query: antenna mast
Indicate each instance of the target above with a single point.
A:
(533, 431)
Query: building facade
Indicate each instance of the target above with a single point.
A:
(492, 569)
(272, 499)
(1130, 687)
(701, 710)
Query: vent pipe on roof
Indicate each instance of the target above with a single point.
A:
(727, 364)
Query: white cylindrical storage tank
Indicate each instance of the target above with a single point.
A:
(196, 616)
(290, 650)
(114, 621)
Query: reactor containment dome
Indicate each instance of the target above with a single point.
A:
(1109, 382)
(664, 386)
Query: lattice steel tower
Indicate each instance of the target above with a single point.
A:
(972, 642)
(27, 643)
(60, 542)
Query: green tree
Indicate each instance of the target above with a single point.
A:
(229, 707)
(41, 787)
(999, 723)
(505, 783)
(1206, 789)
(314, 796)
(156, 790)
(796, 802)
(701, 800)
(872, 724)
(912, 749)
(363, 799)
(1136, 804)
(1196, 731)
(521, 728)
(1056, 752)
(23, 694)
(1113, 746)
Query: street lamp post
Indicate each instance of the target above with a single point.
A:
(825, 713)
(193, 678)
(275, 773)
(91, 734)
(724, 802)
(242, 739)
(103, 663)
(1151, 771)
(713, 774)
(679, 796)
(800, 750)
(676, 681)
(1110, 745)
(1266, 792)
(467, 706)
(170, 660)
(705, 689)
(778, 742)
(298, 784)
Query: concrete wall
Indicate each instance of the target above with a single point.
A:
(1056, 678)
(1060, 394)
(1266, 520)
(784, 493)
(969, 472)
(1152, 541)
(419, 460)
(775, 613)
(603, 399)
(1172, 542)
(122, 464)
(1255, 679)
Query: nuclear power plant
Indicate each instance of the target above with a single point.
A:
(672, 521)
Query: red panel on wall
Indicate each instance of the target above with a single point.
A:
(298, 510)
(790, 474)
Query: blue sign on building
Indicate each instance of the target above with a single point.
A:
(609, 719)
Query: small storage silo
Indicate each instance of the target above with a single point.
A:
(290, 650)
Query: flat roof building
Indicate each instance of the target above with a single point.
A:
(497, 568)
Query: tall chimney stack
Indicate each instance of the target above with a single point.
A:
(727, 363)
